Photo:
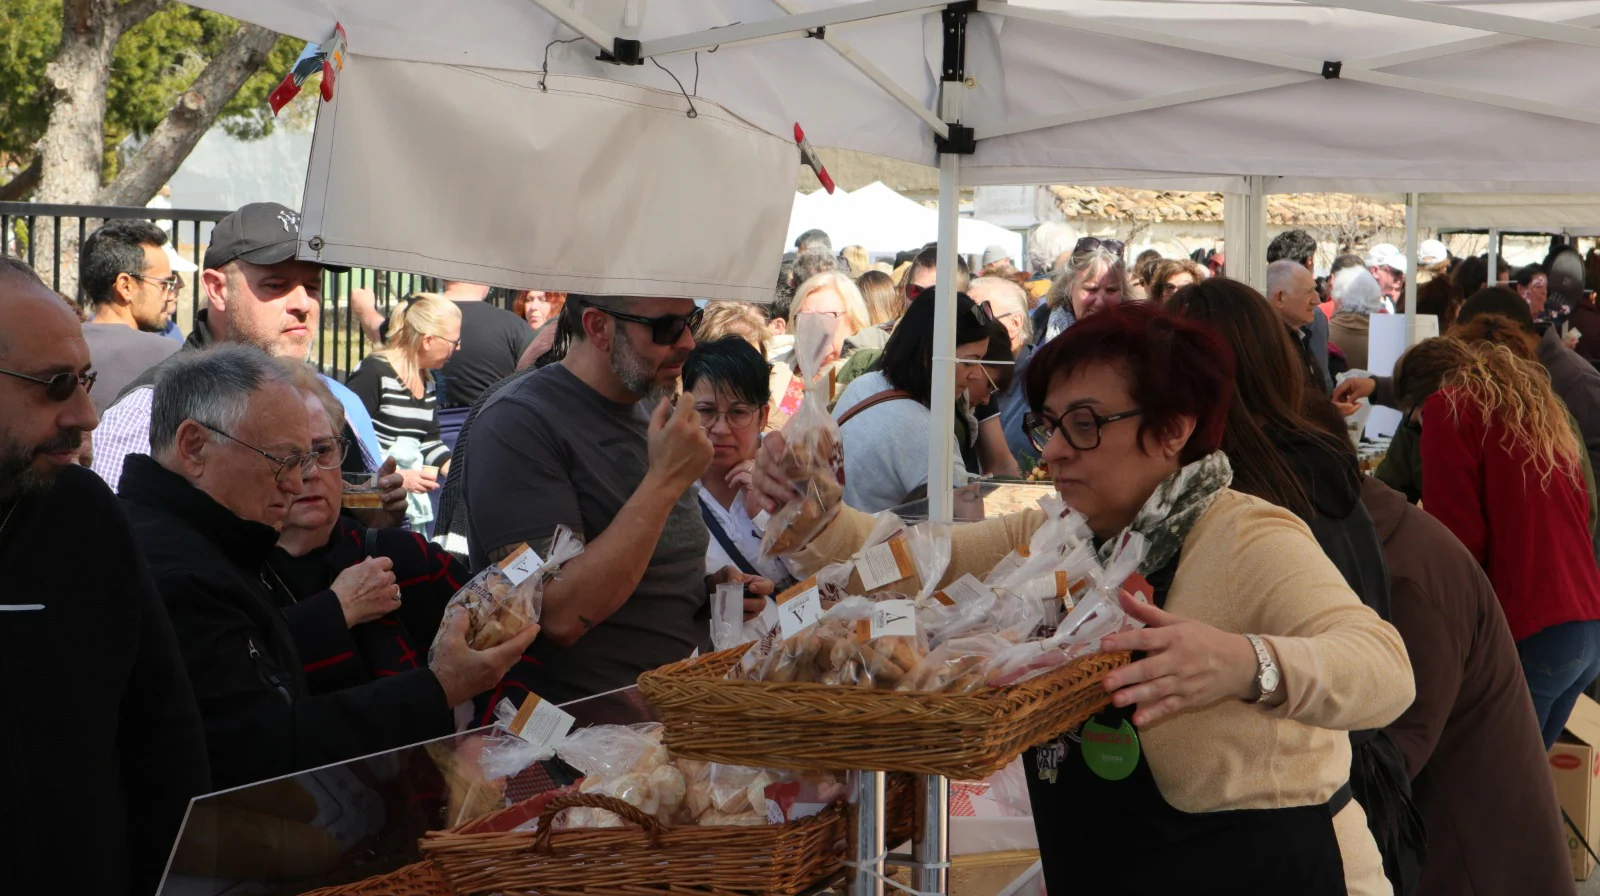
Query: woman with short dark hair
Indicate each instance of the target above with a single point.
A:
(1256, 658)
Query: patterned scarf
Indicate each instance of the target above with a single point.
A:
(1060, 320)
(1171, 511)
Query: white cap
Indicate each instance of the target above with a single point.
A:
(180, 265)
(1432, 252)
(1385, 255)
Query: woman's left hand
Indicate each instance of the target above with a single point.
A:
(1189, 664)
(740, 476)
(756, 589)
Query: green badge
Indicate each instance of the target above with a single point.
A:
(1111, 753)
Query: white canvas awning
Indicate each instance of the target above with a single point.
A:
(885, 222)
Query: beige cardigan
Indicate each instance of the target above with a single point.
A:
(1247, 566)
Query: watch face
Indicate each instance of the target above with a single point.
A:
(1269, 680)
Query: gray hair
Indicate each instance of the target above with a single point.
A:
(1279, 274)
(1008, 298)
(1081, 265)
(211, 387)
(1356, 290)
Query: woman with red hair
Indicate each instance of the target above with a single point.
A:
(1256, 657)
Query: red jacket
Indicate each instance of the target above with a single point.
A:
(1531, 538)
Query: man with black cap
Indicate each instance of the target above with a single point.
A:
(257, 292)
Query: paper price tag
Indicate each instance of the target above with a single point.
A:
(894, 619)
(517, 567)
(799, 612)
(540, 722)
(884, 563)
(963, 591)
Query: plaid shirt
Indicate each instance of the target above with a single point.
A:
(124, 429)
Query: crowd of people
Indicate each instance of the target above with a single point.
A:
(1328, 674)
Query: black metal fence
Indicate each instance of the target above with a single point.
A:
(341, 344)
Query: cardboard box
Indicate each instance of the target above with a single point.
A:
(1575, 768)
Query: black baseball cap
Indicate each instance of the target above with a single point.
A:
(260, 233)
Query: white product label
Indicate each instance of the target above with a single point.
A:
(540, 722)
(520, 565)
(885, 563)
(799, 612)
(894, 619)
(967, 589)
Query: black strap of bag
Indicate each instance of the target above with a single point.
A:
(745, 566)
(1579, 834)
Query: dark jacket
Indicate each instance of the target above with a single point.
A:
(100, 740)
(1332, 481)
(336, 656)
(1578, 383)
(1315, 342)
(1470, 740)
(210, 568)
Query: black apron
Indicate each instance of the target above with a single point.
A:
(1100, 836)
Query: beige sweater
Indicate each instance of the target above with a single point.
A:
(1248, 566)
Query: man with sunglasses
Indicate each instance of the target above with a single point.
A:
(84, 638)
(231, 449)
(595, 443)
(127, 279)
(257, 293)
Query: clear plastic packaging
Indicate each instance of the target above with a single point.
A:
(930, 550)
(504, 598)
(813, 459)
(727, 616)
(959, 666)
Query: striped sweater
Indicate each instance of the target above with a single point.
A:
(396, 412)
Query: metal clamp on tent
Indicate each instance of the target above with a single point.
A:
(624, 51)
(1331, 70)
(961, 140)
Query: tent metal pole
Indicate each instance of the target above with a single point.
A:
(1492, 22)
(798, 25)
(1244, 233)
(1128, 107)
(1412, 203)
(943, 398)
(562, 11)
(1494, 255)
(867, 847)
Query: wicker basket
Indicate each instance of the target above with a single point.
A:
(421, 879)
(824, 727)
(650, 860)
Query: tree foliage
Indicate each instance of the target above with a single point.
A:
(154, 62)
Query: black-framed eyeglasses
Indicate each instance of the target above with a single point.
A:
(61, 386)
(307, 463)
(1090, 243)
(1080, 426)
(170, 285)
(330, 452)
(665, 329)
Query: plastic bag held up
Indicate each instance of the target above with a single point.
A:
(813, 459)
(505, 597)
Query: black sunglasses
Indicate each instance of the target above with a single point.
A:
(1090, 243)
(1081, 426)
(59, 387)
(664, 330)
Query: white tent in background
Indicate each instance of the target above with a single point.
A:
(885, 222)
(1225, 95)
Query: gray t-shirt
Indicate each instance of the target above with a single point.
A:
(547, 451)
(885, 446)
(119, 353)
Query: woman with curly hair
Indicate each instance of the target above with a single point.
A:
(1501, 469)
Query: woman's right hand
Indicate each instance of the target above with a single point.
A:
(420, 482)
(367, 591)
(769, 488)
(1354, 389)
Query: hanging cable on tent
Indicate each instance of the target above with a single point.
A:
(693, 112)
(544, 70)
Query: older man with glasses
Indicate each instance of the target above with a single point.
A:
(101, 721)
(231, 447)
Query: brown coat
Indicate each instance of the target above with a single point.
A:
(1348, 331)
(1470, 739)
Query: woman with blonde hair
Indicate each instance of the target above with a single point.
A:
(1094, 278)
(397, 384)
(1501, 470)
(857, 258)
(834, 298)
(885, 304)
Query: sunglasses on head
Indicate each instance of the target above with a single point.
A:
(1090, 243)
(664, 330)
(61, 386)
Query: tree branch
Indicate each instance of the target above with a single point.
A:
(132, 12)
(27, 180)
(193, 114)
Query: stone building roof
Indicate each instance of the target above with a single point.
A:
(1320, 210)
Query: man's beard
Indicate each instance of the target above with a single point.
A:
(18, 478)
(636, 374)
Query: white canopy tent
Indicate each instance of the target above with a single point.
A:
(1243, 96)
(885, 222)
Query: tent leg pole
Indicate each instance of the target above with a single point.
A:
(1412, 203)
(943, 398)
(1494, 255)
(867, 850)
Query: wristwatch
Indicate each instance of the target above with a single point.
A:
(1267, 675)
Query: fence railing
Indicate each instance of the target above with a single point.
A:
(341, 343)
